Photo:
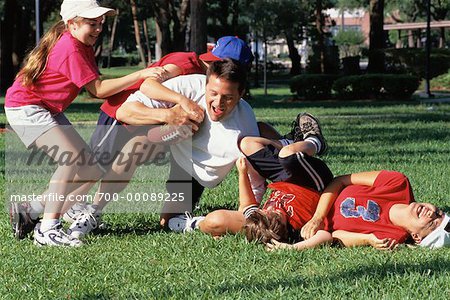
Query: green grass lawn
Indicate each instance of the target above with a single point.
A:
(132, 259)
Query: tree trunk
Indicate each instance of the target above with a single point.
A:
(180, 26)
(137, 32)
(293, 54)
(377, 37)
(112, 37)
(162, 17)
(147, 42)
(198, 26)
(320, 35)
(235, 16)
(442, 38)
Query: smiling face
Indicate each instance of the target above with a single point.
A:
(423, 219)
(221, 97)
(86, 30)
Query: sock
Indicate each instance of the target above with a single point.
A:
(36, 209)
(315, 141)
(285, 142)
(47, 224)
(197, 222)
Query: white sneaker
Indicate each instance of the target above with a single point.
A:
(72, 213)
(184, 223)
(54, 236)
(84, 224)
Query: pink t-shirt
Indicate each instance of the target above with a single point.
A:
(71, 65)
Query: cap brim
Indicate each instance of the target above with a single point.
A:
(97, 12)
(208, 56)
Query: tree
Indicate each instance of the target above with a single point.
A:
(137, 32)
(198, 26)
(377, 38)
(271, 18)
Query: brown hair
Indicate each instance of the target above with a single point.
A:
(36, 60)
(264, 226)
(228, 69)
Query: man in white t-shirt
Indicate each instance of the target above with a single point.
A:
(206, 159)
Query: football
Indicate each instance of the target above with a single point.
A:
(168, 134)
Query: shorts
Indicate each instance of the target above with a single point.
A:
(32, 121)
(108, 139)
(299, 168)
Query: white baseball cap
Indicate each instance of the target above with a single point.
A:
(440, 237)
(83, 8)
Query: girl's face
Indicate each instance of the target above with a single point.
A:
(86, 30)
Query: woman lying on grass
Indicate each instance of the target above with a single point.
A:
(371, 208)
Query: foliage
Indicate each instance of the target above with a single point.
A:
(312, 86)
(412, 61)
(349, 42)
(376, 86)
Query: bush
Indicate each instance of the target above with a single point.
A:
(312, 86)
(412, 61)
(376, 86)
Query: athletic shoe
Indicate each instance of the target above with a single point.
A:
(21, 222)
(72, 213)
(295, 134)
(184, 223)
(54, 236)
(310, 126)
(87, 221)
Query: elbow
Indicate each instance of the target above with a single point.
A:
(123, 115)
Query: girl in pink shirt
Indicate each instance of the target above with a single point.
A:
(54, 73)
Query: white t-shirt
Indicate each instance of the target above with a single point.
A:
(211, 154)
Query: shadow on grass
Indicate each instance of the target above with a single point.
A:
(437, 266)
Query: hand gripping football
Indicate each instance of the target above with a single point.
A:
(168, 134)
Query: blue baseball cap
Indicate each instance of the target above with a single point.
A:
(229, 47)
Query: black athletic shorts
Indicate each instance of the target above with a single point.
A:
(298, 168)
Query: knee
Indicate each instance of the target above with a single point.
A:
(247, 145)
(215, 223)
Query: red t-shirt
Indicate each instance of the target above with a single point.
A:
(188, 62)
(365, 209)
(297, 202)
(70, 65)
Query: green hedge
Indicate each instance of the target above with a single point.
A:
(312, 86)
(412, 61)
(376, 86)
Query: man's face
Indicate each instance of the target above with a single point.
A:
(221, 97)
(423, 218)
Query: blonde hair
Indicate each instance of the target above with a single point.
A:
(36, 60)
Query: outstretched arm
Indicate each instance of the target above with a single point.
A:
(321, 237)
(330, 194)
(108, 87)
(353, 239)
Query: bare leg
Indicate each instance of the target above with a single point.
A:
(136, 152)
(220, 222)
(65, 141)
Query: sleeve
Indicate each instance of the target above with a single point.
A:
(390, 178)
(186, 61)
(191, 86)
(79, 69)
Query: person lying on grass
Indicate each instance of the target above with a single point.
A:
(371, 208)
(294, 173)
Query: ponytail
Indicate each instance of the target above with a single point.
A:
(36, 60)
